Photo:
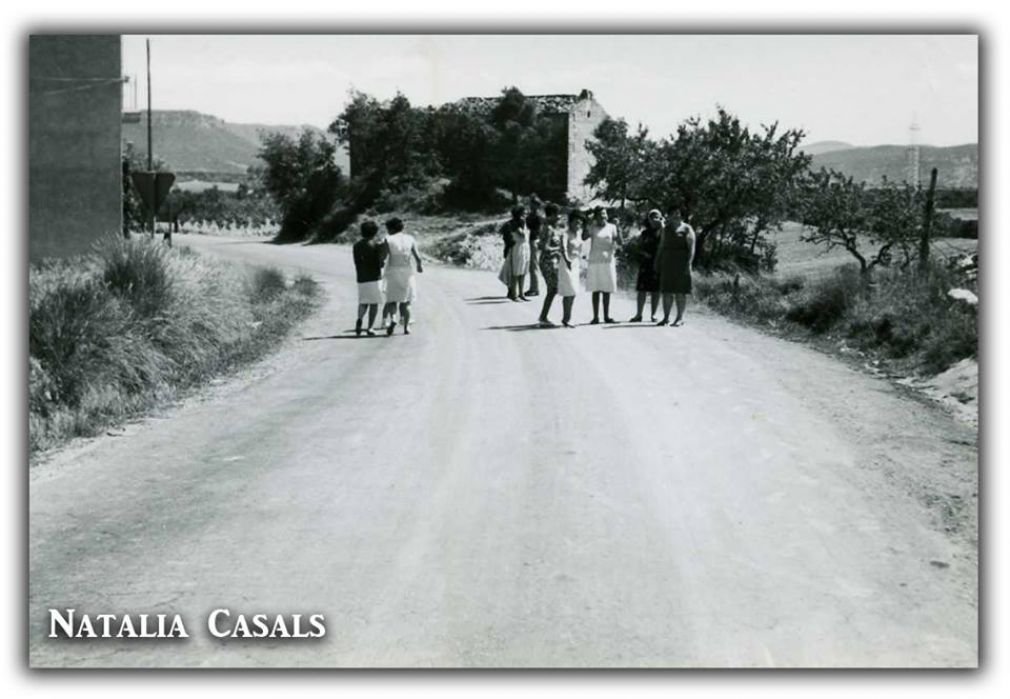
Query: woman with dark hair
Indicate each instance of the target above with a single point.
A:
(647, 283)
(601, 276)
(550, 251)
(674, 258)
(369, 257)
(401, 288)
(569, 265)
(516, 236)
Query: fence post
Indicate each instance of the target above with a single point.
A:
(927, 222)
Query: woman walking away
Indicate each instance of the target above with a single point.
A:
(673, 264)
(401, 289)
(550, 250)
(601, 278)
(568, 265)
(647, 283)
(369, 257)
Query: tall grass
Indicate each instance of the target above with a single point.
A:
(113, 333)
(903, 316)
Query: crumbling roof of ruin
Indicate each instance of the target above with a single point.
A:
(547, 104)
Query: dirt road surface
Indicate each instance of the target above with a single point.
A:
(485, 494)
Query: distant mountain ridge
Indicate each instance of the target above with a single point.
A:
(189, 141)
(192, 142)
(820, 147)
(957, 166)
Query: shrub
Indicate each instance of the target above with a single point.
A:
(823, 304)
(267, 284)
(136, 271)
(905, 316)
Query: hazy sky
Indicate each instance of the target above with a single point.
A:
(865, 90)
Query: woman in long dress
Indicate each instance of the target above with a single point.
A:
(569, 265)
(601, 277)
(673, 264)
(647, 282)
(401, 289)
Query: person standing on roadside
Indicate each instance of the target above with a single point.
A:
(674, 260)
(517, 254)
(647, 283)
(601, 277)
(551, 239)
(369, 258)
(569, 265)
(534, 223)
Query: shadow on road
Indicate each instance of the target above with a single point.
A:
(521, 328)
(632, 325)
(346, 337)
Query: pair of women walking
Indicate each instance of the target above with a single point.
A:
(385, 270)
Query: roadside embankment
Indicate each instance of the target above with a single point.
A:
(117, 332)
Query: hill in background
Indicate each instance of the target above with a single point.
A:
(957, 165)
(191, 142)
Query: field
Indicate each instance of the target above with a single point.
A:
(796, 258)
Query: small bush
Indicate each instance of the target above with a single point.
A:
(825, 303)
(136, 271)
(267, 284)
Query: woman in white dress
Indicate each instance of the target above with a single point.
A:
(601, 277)
(569, 265)
(401, 288)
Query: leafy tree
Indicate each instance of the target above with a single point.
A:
(621, 162)
(871, 225)
(733, 184)
(392, 145)
(464, 143)
(302, 178)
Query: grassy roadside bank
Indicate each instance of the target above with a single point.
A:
(133, 325)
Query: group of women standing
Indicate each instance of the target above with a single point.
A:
(664, 252)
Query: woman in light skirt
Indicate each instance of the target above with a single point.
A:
(569, 265)
(401, 289)
(369, 257)
(601, 276)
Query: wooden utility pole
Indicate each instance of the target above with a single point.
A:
(150, 148)
(927, 222)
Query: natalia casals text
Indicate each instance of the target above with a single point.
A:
(220, 623)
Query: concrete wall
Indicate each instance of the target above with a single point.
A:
(74, 127)
(584, 116)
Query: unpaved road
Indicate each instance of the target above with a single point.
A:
(484, 494)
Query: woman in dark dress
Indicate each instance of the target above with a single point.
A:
(648, 280)
(673, 264)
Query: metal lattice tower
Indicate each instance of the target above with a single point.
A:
(912, 154)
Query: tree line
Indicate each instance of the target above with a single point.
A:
(736, 185)
(478, 158)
